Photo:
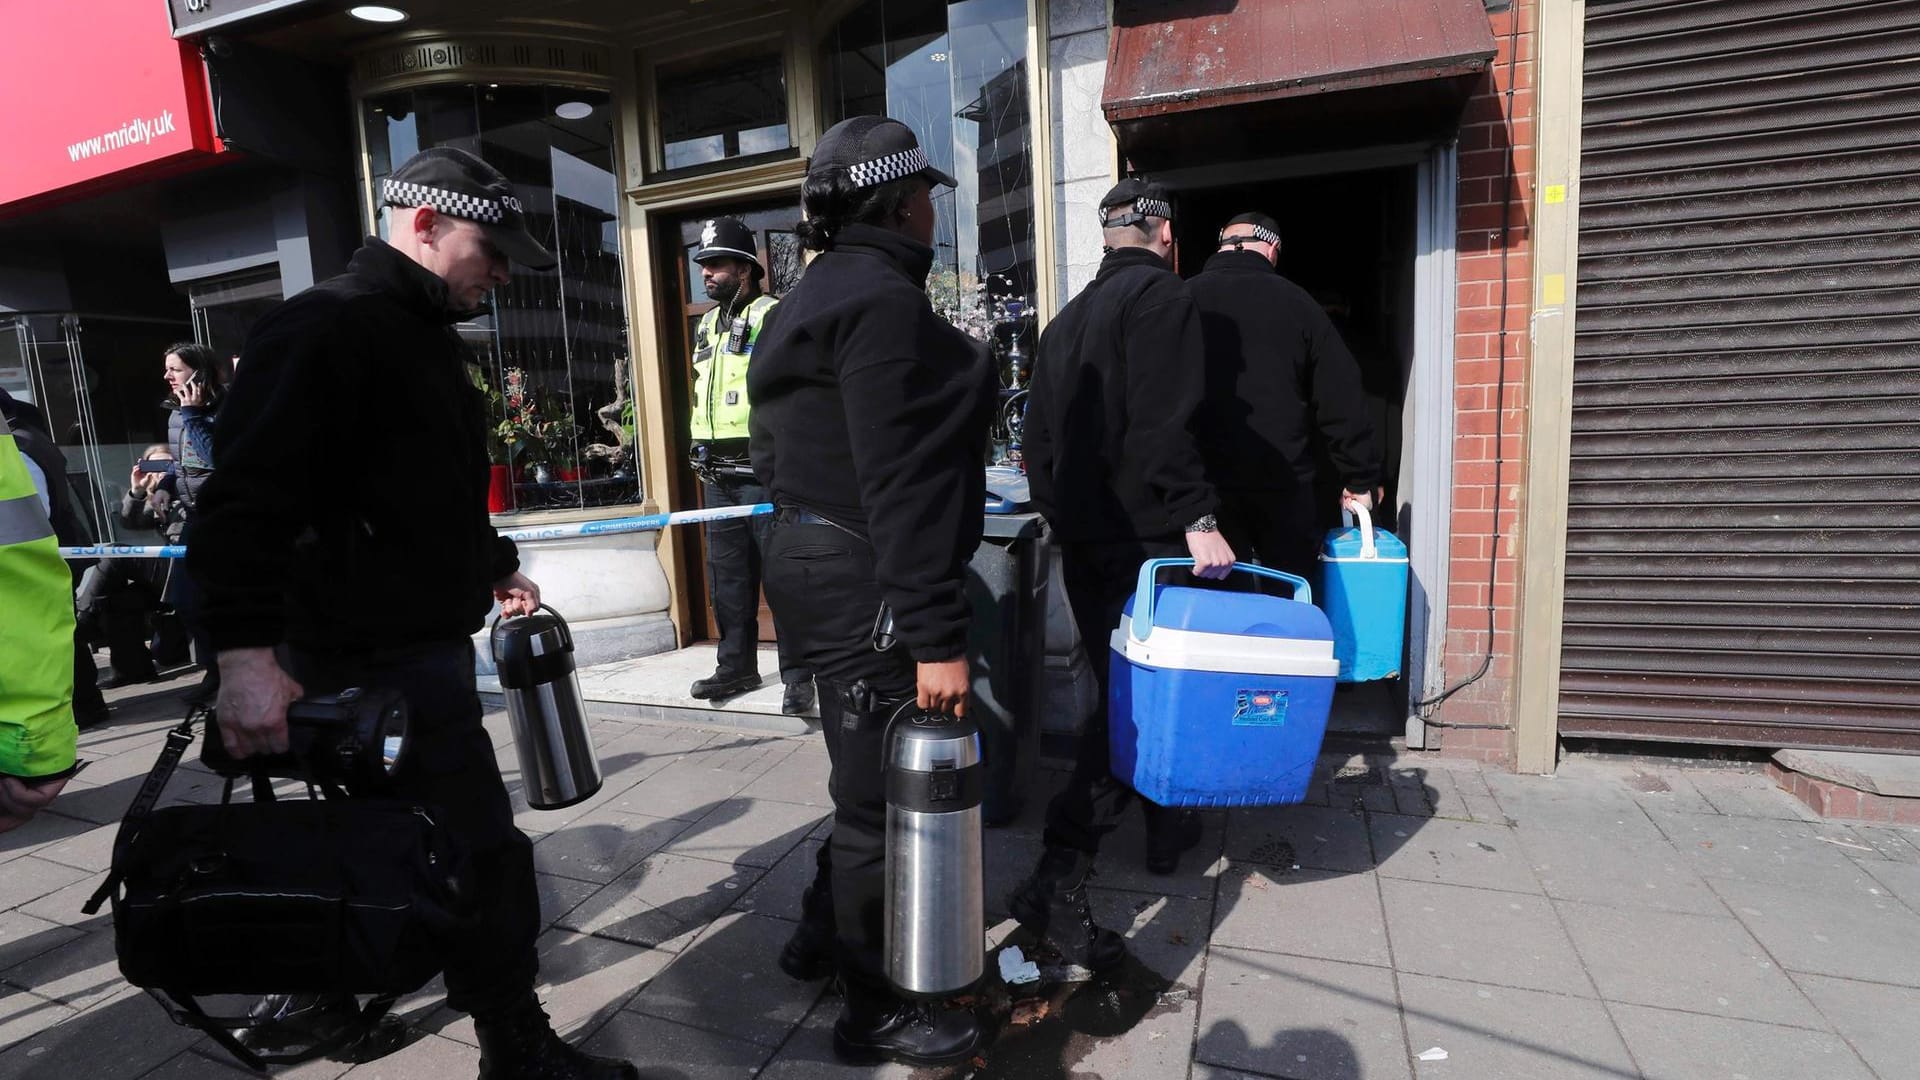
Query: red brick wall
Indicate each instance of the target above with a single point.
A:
(1487, 135)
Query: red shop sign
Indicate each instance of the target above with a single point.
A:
(96, 89)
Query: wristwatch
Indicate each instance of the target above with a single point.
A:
(1204, 524)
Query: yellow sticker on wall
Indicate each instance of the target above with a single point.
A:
(1553, 289)
(1555, 193)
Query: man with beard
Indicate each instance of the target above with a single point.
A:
(722, 348)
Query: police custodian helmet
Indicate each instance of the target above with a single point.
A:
(728, 238)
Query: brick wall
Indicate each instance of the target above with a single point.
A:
(1487, 136)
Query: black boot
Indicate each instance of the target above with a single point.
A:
(518, 1043)
(1170, 833)
(122, 623)
(1053, 905)
(907, 1032)
(284, 1022)
(720, 685)
(798, 698)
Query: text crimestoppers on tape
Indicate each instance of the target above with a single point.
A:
(611, 526)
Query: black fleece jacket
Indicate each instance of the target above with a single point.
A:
(872, 411)
(1109, 443)
(349, 512)
(1277, 372)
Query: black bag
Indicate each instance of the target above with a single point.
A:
(330, 895)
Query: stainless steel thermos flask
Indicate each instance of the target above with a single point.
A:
(936, 929)
(534, 657)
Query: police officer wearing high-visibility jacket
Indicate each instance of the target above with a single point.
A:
(37, 732)
(722, 348)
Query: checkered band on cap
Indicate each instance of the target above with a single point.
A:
(471, 207)
(1264, 234)
(887, 169)
(1142, 206)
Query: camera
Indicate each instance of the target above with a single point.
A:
(356, 739)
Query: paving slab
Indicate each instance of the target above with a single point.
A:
(79, 974)
(1451, 852)
(778, 894)
(429, 1058)
(1318, 913)
(746, 832)
(1758, 849)
(23, 937)
(1748, 793)
(603, 845)
(686, 789)
(1688, 1046)
(559, 896)
(1900, 879)
(24, 1015)
(1321, 837)
(1892, 843)
(801, 780)
(1882, 1022)
(662, 901)
(28, 878)
(1695, 963)
(1480, 935)
(727, 981)
(666, 1049)
(1601, 869)
(1587, 805)
(64, 905)
(1840, 930)
(1168, 934)
(1159, 1047)
(1296, 1017)
(127, 1035)
(1499, 1033)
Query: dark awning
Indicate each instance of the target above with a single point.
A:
(1192, 57)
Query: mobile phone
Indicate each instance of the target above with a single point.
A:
(156, 465)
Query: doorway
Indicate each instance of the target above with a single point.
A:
(682, 305)
(1365, 240)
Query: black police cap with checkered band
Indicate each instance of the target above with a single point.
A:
(874, 150)
(1263, 229)
(458, 184)
(1141, 200)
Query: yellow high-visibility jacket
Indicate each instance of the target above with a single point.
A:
(37, 733)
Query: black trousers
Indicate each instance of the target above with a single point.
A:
(450, 768)
(1279, 528)
(735, 553)
(821, 584)
(1099, 578)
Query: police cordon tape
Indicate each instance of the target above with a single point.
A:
(608, 527)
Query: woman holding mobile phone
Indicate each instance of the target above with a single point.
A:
(198, 378)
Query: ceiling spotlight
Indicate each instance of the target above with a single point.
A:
(573, 110)
(377, 13)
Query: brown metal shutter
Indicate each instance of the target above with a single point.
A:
(1743, 536)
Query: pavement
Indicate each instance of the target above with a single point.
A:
(1417, 918)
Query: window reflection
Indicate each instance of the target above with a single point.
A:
(553, 349)
(957, 74)
(722, 108)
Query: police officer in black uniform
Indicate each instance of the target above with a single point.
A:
(870, 419)
(1278, 378)
(723, 347)
(1117, 471)
(381, 582)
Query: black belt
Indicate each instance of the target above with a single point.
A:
(800, 515)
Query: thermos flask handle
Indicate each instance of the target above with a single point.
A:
(1367, 548)
(1142, 623)
(493, 632)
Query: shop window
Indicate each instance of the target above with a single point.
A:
(553, 348)
(721, 109)
(225, 309)
(957, 74)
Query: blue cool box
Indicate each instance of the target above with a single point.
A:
(1363, 588)
(1221, 698)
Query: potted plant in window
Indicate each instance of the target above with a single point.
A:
(511, 419)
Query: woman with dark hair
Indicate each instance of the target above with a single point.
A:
(198, 379)
(869, 428)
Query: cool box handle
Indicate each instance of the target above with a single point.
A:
(1367, 548)
(1149, 570)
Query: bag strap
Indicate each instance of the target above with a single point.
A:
(184, 1010)
(178, 740)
